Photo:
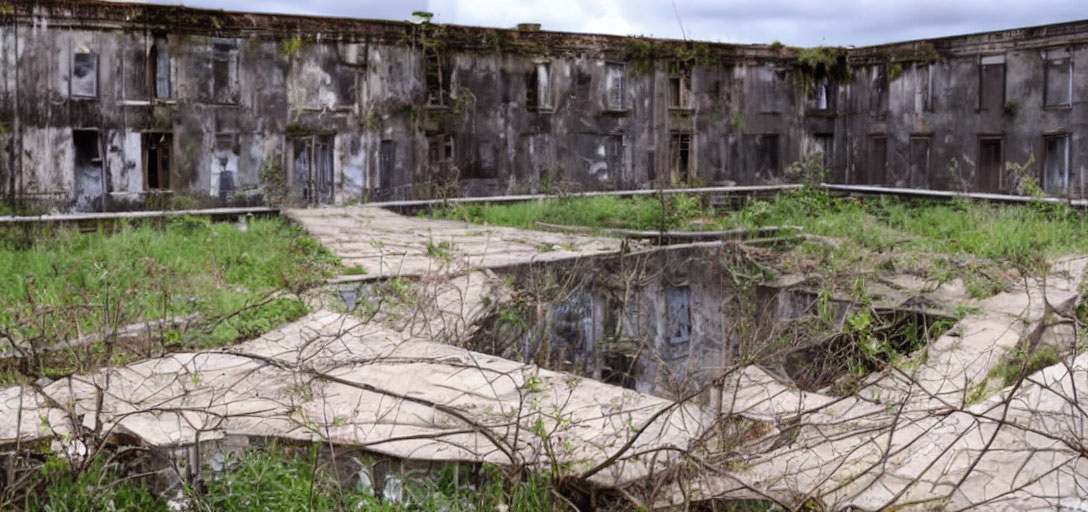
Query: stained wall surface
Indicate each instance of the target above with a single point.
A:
(107, 106)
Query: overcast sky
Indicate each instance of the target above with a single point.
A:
(794, 22)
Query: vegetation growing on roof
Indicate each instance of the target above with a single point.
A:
(822, 62)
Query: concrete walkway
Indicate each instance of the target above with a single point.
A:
(385, 244)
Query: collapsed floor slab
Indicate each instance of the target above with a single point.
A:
(916, 436)
(330, 377)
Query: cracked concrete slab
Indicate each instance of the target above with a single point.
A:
(388, 244)
(913, 438)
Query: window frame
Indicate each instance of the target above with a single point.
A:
(94, 62)
(616, 95)
(1050, 57)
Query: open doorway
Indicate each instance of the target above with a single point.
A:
(990, 160)
(157, 150)
(312, 178)
(90, 182)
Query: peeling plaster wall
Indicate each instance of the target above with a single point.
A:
(247, 91)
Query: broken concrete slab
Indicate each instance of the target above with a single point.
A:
(331, 377)
(388, 244)
(913, 438)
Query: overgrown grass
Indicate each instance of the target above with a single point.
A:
(640, 212)
(1008, 232)
(68, 284)
(1019, 362)
(975, 241)
(286, 478)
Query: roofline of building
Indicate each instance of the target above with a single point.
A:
(295, 24)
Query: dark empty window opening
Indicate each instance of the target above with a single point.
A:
(769, 165)
(1056, 165)
(991, 89)
(436, 82)
(679, 95)
(878, 89)
(678, 315)
(387, 161)
(877, 163)
(87, 153)
(157, 149)
(538, 87)
(680, 156)
(84, 80)
(159, 63)
(485, 166)
(616, 78)
(1058, 91)
(919, 161)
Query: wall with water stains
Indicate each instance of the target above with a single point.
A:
(109, 106)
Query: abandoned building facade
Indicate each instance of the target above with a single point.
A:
(112, 106)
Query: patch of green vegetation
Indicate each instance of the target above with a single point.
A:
(251, 322)
(65, 284)
(354, 270)
(1020, 234)
(65, 488)
(285, 478)
(599, 212)
(290, 46)
(440, 250)
(1020, 362)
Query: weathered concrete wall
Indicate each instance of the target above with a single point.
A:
(253, 108)
(941, 91)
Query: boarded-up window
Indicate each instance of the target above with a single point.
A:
(919, 161)
(678, 315)
(768, 161)
(769, 92)
(877, 161)
(1059, 79)
(84, 80)
(539, 87)
(1056, 165)
(615, 84)
(157, 150)
(878, 89)
(225, 71)
(134, 69)
(616, 150)
(991, 90)
(923, 82)
(680, 156)
(989, 165)
(387, 160)
(160, 69)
